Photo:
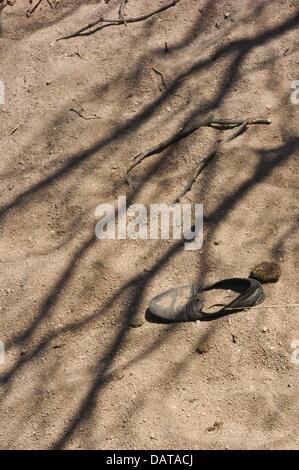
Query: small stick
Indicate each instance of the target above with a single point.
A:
(161, 75)
(5, 3)
(51, 4)
(87, 118)
(78, 104)
(34, 8)
(79, 53)
(82, 31)
(230, 124)
(160, 147)
(237, 132)
(82, 110)
(14, 129)
(122, 7)
(203, 162)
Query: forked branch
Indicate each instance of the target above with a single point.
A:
(220, 124)
(104, 22)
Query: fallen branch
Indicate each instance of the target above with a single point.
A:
(220, 124)
(203, 162)
(84, 31)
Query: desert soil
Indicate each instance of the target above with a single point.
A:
(84, 368)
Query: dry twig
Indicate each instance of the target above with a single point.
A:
(196, 171)
(203, 162)
(211, 122)
(237, 132)
(32, 10)
(161, 75)
(51, 4)
(5, 3)
(14, 129)
(82, 112)
(122, 7)
(106, 22)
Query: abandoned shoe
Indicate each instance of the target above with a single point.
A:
(180, 304)
(185, 303)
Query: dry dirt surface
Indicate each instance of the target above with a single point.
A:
(83, 366)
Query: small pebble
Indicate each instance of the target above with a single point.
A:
(202, 349)
(137, 321)
(118, 374)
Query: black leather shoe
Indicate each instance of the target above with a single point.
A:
(179, 304)
(185, 303)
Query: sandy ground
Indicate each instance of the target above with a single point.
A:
(77, 374)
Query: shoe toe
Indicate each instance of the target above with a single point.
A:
(171, 305)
